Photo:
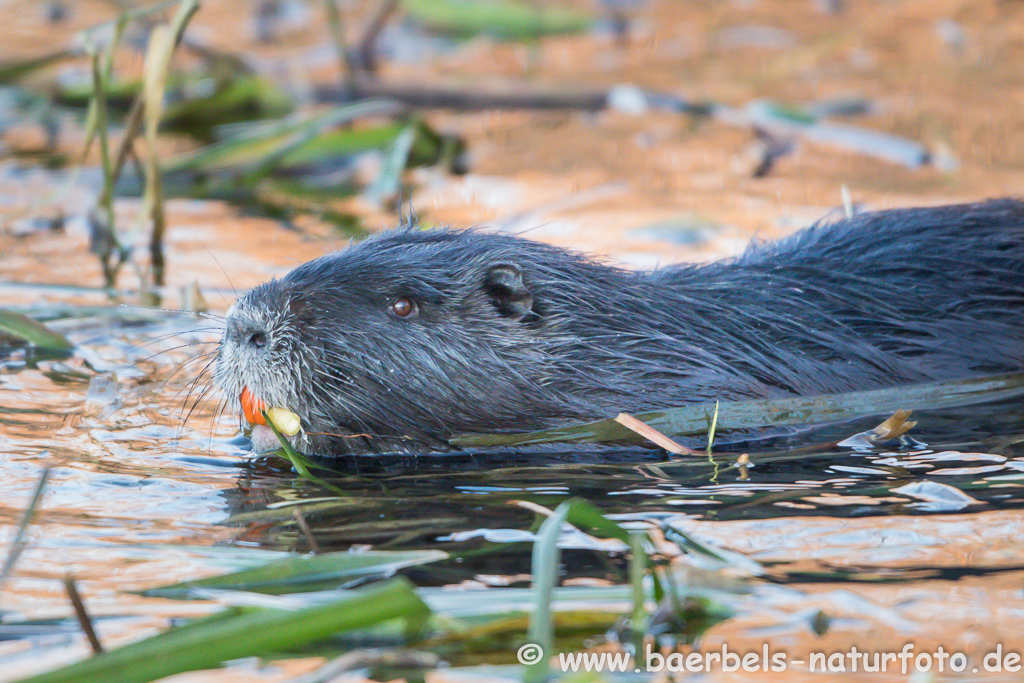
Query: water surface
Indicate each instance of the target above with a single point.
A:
(904, 541)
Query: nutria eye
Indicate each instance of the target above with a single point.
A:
(404, 307)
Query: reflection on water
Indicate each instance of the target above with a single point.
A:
(139, 497)
(461, 503)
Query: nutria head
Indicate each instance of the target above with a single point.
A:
(404, 340)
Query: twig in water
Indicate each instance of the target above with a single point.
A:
(83, 617)
(653, 435)
(894, 427)
(300, 519)
(367, 47)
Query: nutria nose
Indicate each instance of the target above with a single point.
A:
(245, 332)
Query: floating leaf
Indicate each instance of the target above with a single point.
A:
(336, 144)
(760, 413)
(767, 113)
(470, 605)
(304, 164)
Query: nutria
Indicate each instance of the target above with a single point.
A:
(408, 338)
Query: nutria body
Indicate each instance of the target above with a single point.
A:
(402, 341)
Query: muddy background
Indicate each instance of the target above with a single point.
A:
(631, 187)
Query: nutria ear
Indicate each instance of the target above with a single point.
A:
(504, 286)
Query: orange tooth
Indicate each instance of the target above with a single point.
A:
(252, 409)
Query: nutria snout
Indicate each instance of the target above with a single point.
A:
(413, 336)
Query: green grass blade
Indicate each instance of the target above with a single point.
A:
(545, 561)
(387, 183)
(18, 544)
(586, 517)
(504, 19)
(340, 143)
(299, 461)
(295, 574)
(710, 556)
(241, 99)
(258, 143)
(637, 571)
(32, 331)
(11, 71)
(242, 633)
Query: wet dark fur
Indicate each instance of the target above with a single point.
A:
(513, 335)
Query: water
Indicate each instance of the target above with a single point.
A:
(411, 500)
(139, 497)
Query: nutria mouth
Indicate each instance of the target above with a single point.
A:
(402, 341)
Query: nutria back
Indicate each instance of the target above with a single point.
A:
(413, 336)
